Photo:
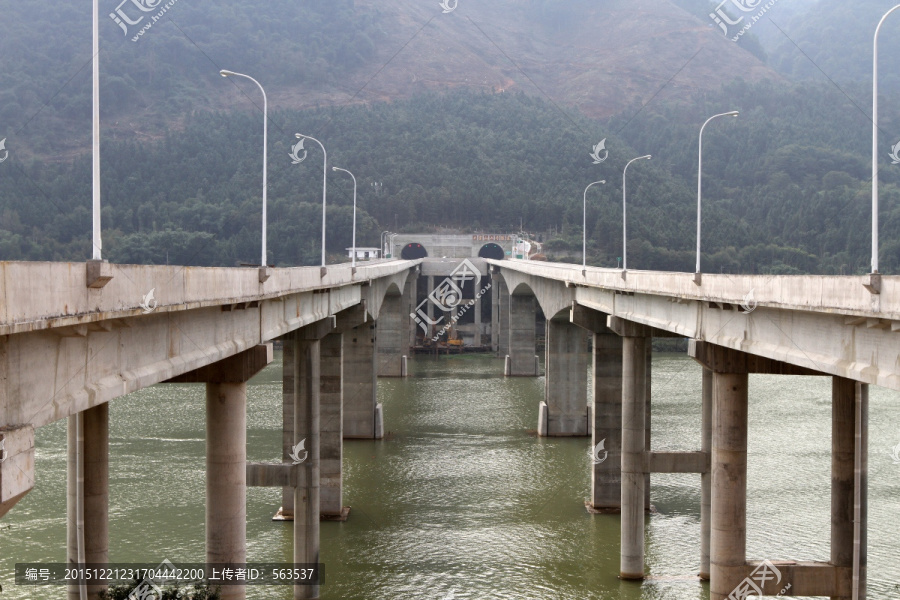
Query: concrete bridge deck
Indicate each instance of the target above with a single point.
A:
(67, 349)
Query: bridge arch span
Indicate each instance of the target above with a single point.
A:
(552, 296)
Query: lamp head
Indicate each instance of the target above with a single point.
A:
(733, 113)
(225, 73)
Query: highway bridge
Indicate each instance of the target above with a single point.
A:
(75, 336)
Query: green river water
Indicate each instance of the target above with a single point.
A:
(462, 500)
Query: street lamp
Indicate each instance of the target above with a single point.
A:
(625, 215)
(734, 113)
(584, 240)
(353, 263)
(98, 242)
(263, 271)
(324, 188)
(875, 283)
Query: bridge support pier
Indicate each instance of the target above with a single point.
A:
(394, 331)
(521, 360)
(565, 386)
(500, 315)
(226, 454)
(362, 413)
(307, 422)
(332, 426)
(606, 412)
(87, 499)
(730, 572)
(634, 411)
(706, 477)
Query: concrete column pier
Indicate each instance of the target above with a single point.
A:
(331, 371)
(522, 344)
(362, 414)
(411, 298)
(565, 386)
(502, 315)
(706, 478)
(606, 474)
(634, 406)
(307, 421)
(226, 454)
(495, 313)
(391, 337)
(88, 480)
(287, 424)
(843, 464)
(226, 477)
(728, 554)
(477, 308)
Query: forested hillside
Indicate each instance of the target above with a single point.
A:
(786, 184)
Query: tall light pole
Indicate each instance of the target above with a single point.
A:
(98, 242)
(584, 240)
(324, 187)
(625, 214)
(734, 113)
(874, 283)
(263, 263)
(353, 263)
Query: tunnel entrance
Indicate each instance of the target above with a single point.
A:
(492, 251)
(413, 252)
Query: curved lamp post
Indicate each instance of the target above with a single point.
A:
(263, 272)
(875, 279)
(353, 262)
(584, 240)
(324, 188)
(734, 113)
(625, 214)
